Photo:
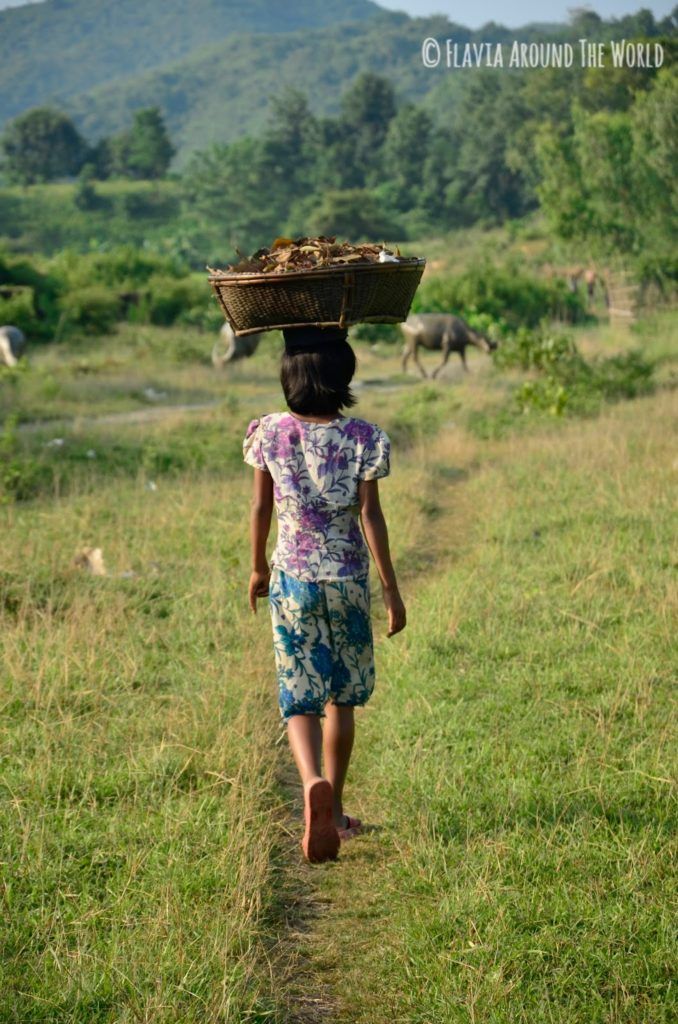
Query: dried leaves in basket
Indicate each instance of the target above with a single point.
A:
(290, 254)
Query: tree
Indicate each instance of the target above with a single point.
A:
(85, 195)
(232, 188)
(292, 141)
(42, 144)
(145, 151)
(654, 123)
(405, 151)
(611, 182)
(367, 109)
(488, 182)
(353, 214)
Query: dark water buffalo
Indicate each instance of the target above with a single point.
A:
(440, 332)
(12, 345)
(228, 348)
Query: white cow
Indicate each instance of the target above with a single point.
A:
(12, 345)
(230, 347)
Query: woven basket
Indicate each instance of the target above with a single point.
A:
(336, 296)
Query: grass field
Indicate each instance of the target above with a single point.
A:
(514, 767)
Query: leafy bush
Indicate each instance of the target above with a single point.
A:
(124, 266)
(610, 378)
(565, 383)
(94, 310)
(539, 350)
(32, 296)
(546, 394)
(17, 308)
(505, 293)
(206, 316)
(147, 205)
(659, 271)
(85, 195)
(582, 387)
(169, 297)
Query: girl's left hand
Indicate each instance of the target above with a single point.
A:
(258, 587)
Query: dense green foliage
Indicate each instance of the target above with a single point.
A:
(612, 183)
(41, 145)
(508, 294)
(215, 75)
(485, 147)
(73, 294)
(143, 152)
(44, 145)
(603, 166)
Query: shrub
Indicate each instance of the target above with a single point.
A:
(505, 293)
(124, 267)
(538, 350)
(94, 310)
(85, 195)
(566, 383)
(206, 316)
(169, 297)
(147, 205)
(32, 296)
(17, 307)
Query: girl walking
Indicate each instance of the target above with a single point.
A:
(320, 471)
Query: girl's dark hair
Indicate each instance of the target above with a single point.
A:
(318, 381)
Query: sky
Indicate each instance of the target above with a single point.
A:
(520, 13)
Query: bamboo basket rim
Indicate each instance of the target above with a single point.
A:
(256, 277)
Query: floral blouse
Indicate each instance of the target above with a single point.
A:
(316, 468)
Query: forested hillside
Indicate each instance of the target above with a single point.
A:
(54, 50)
(213, 73)
(222, 92)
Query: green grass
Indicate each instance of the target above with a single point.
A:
(514, 766)
(519, 747)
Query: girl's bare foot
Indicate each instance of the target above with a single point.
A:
(321, 838)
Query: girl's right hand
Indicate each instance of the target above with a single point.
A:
(397, 618)
(258, 587)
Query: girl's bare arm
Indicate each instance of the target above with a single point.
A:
(376, 535)
(260, 524)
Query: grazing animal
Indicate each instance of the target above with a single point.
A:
(440, 332)
(12, 345)
(228, 347)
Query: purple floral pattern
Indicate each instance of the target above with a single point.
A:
(316, 468)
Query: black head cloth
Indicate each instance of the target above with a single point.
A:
(312, 339)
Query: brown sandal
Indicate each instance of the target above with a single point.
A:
(354, 827)
(321, 839)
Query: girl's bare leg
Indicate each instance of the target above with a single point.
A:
(305, 737)
(338, 737)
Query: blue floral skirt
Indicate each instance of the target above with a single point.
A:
(322, 638)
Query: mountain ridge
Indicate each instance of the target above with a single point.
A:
(61, 48)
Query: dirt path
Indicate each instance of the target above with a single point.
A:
(154, 413)
(318, 898)
(146, 415)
